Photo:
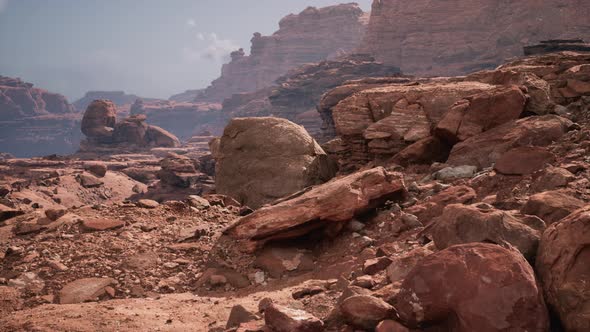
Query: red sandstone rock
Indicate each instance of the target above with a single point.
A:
(481, 112)
(263, 159)
(460, 224)
(425, 151)
(485, 149)
(451, 289)
(523, 160)
(313, 35)
(551, 206)
(100, 224)
(99, 120)
(329, 205)
(365, 311)
(283, 319)
(452, 38)
(433, 208)
(562, 265)
(84, 290)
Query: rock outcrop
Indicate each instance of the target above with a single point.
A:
(329, 206)
(263, 159)
(451, 289)
(105, 134)
(557, 45)
(456, 37)
(313, 35)
(562, 265)
(34, 121)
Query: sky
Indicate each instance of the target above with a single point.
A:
(152, 48)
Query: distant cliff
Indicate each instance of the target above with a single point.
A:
(34, 121)
(453, 37)
(311, 36)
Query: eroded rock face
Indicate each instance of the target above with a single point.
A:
(485, 149)
(460, 224)
(380, 122)
(104, 133)
(451, 289)
(263, 159)
(329, 205)
(429, 38)
(562, 265)
(34, 121)
(313, 35)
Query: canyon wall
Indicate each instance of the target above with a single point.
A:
(311, 36)
(454, 37)
(34, 121)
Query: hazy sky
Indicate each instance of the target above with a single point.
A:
(153, 48)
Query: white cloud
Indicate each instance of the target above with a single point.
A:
(209, 47)
(3, 4)
(191, 23)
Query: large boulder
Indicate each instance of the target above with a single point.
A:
(263, 159)
(99, 119)
(563, 265)
(481, 112)
(131, 130)
(551, 206)
(329, 205)
(460, 224)
(157, 136)
(472, 287)
(485, 149)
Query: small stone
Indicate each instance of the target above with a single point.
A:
(355, 225)
(283, 319)
(307, 291)
(147, 204)
(239, 315)
(376, 265)
(84, 290)
(365, 311)
(89, 181)
(364, 282)
(55, 214)
(198, 202)
(57, 265)
(454, 173)
(264, 303)
(170, 265)
(98, 169)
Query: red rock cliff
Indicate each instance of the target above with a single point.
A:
(453, 37)
(311, 36)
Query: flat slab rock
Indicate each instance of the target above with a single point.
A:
(100, 224)
(335, 202)
(84, 290)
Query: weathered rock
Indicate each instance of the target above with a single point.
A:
(553, 178)
(391, 326)
(100, 224)
(451, 289)
(157, 136)
(54, 214)
(478, 113)
(263, 159)
(89, 181)
(402, 265)
(131, 130)
(485, 149)
(99, 120)
(434, 207)
(523, 160)
(551, 206)
(444, 39)
(179, 171)
(365, 311)
(562, 265)
(425, 151)
(277, 261)
(84, 290)
(328, 205)
(460, 224)
(455, 173)
(96, 168)
(28, 282)
(147, 204)
(313, 35)
(283, 319)
(376, 265)
(239, 315)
